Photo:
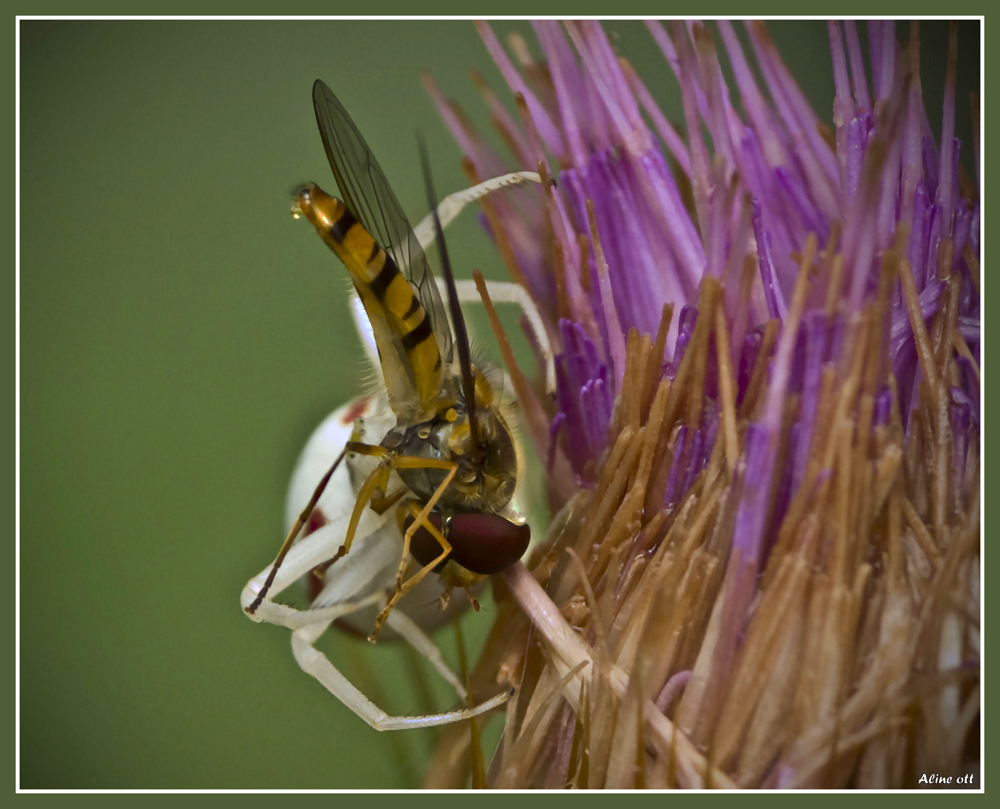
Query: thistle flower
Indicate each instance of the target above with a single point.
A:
(764, 450)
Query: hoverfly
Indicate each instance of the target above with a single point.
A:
(431, 460)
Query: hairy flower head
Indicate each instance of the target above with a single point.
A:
(764, 448)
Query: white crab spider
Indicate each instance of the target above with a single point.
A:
(361, 578)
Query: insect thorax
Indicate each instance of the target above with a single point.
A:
(487, 486)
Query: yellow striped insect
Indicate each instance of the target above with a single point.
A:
(443, 476)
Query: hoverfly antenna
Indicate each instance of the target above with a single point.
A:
(458, 321)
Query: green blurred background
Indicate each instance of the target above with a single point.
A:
(180, 338)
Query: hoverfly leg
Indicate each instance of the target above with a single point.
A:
(420, 519)
(380, 505)
(376, 481)
(402, 587)
(301, 520)
(372, 450)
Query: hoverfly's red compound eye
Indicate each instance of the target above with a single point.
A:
(482, 543)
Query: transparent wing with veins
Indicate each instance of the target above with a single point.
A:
(368, 195)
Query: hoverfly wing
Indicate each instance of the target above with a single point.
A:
(368, 195)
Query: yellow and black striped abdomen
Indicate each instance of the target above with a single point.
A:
(387, 297)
